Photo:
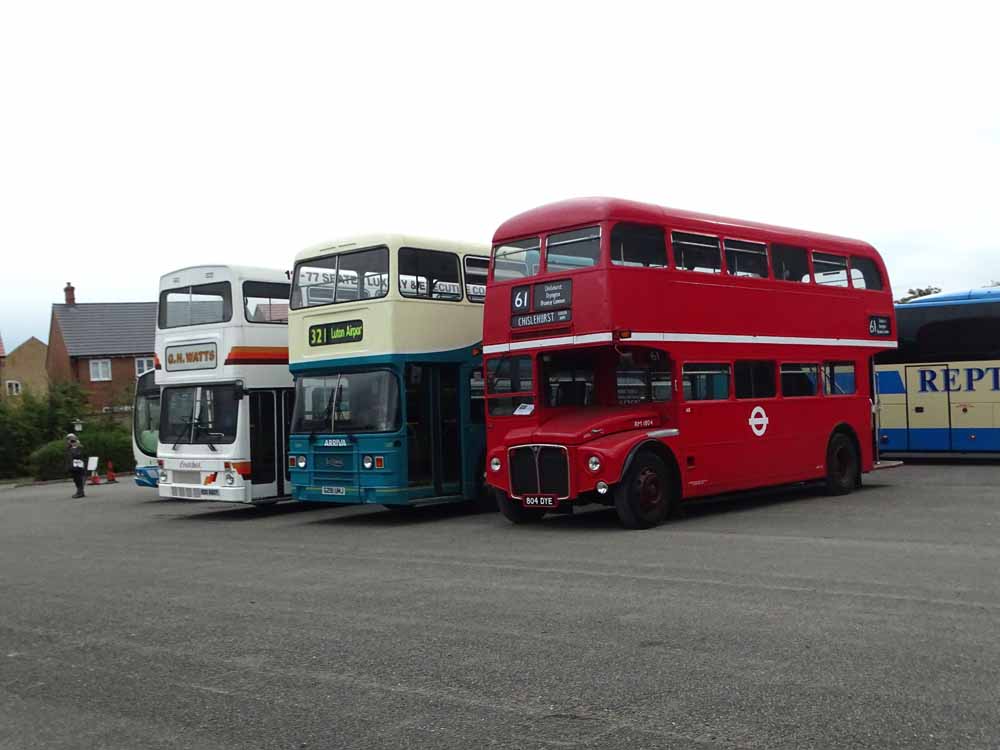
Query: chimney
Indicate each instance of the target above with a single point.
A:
(70, 293)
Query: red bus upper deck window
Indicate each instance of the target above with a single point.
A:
(865, 274)
(746, 258)
(831, 270)
(790, 263)
(568, 251)
(696, 252)
(516, 260)
(638, 245)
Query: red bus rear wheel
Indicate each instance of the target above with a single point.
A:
(513, 512)
(842, 465)
(645, 497)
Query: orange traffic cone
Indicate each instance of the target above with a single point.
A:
(111, 478)
(94, 478)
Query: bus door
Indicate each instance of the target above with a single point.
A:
(473, 425)
(892, 409)
(928, 408)
(264, 455)
(434, 445)
(285, 422)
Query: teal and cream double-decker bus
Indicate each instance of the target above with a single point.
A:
(384, 346)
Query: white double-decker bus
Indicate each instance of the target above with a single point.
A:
(226, 400)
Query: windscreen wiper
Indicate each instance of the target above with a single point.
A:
(188, 422)
(330, 405)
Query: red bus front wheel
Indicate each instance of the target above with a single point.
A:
(645, 497)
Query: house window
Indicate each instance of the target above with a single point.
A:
(13, 388)
(100, 369)
(142, 365)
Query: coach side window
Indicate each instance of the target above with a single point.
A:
(864, 273)
(429, 274)
(755, 379)
(476, 270)
(709, 382)
(696, 252)
(746, 258)
(638, 245)
(790, 263)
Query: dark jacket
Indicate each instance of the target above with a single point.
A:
(75, 453)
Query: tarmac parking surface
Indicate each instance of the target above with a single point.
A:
(783, 619)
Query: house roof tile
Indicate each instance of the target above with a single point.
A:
(107, 328)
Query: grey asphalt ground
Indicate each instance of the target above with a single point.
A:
(782, 620)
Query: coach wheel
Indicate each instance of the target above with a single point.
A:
(513, 511)
(842, 465)
(645, 497)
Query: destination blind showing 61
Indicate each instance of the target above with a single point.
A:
(541, 304)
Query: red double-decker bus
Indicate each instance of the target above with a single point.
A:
(639, 356)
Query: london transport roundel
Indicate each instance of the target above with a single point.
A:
(758, 421)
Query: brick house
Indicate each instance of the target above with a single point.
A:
(103, 346)
(24, 369)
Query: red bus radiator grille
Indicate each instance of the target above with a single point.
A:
(539, 470)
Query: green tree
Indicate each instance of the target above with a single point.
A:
(32, 420)
(912, 294)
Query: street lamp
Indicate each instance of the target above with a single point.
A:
(77, 425)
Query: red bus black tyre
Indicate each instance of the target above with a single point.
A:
(842, 464)
(513, 512)
(645, 497)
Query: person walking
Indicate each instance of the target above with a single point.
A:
(75, 464)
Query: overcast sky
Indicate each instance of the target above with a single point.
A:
(137, 138)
